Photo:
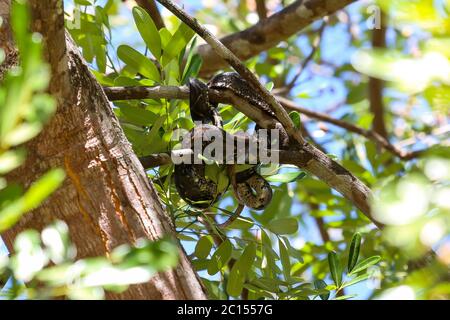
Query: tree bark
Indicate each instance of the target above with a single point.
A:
(106, 199)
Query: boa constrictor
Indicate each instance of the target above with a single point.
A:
(250, 188)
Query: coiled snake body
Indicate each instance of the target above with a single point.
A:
(250, 188)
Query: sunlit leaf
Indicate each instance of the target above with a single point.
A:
(139, 62)
(220, 257)
(285, 260)
(355, 280)
(365, 264)
(283, 226)
(320, 284)
(203, 247)
(240, 269)
(148, 31)
(178, 41)
(354, 251)
(285, 177)
(335, 268)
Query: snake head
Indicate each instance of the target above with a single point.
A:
(252, 189)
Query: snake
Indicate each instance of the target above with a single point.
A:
(250, 188)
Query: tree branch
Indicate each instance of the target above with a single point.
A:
(137, 93)
(173, 92)
(261, 9)
(269, 32)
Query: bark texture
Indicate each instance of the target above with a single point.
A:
(106, 199)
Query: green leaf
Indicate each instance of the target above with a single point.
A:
(320, 284)
(356, 280)
(294, 253)
(123, 81)
(365, 264)
(295, 117)
(42, 188)
(223, 181)
(177, 43)
(148, 31)
(269, 85)
(354, 251)
(285, 177)
(37, 193)
(200, 264)
(22, 133)
(285, 260)
(29, 256)
(139, 62)
(101, 16)
(269, 254)
(240, 269)
(283, 226)
(203, 247)
(100, 58)
(103, 79)
(349, 296)
(193, 68)
(10, 160)
(335, 268)
(165, 36)
(357, 94)
(57, 241)
(138, 116)
(83, 2)
(220, 258)
(241, 223)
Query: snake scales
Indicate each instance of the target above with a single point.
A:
(250, 188)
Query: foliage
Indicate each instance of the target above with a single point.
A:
(43, 266)
(24, 109)
(309, 243)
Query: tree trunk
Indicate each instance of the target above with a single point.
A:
(106, 199)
